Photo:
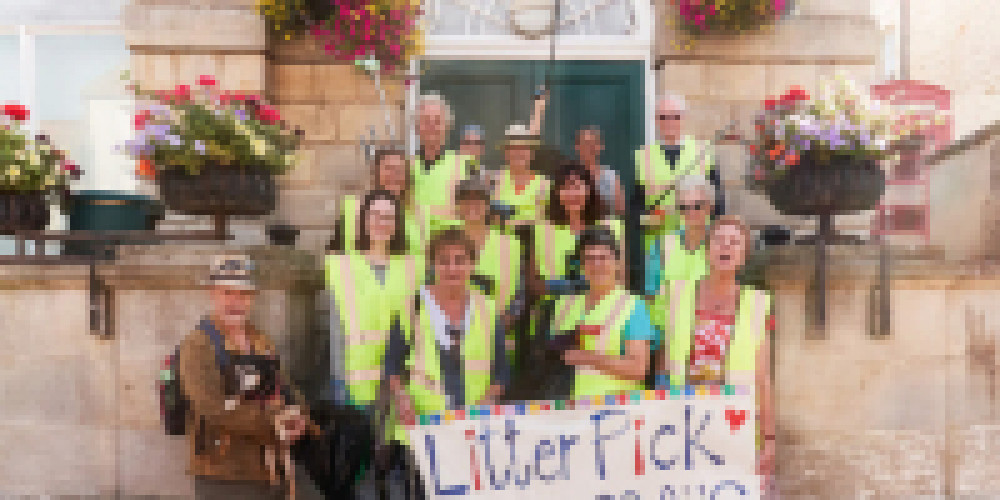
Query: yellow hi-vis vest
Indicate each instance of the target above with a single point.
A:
(553, 243)
(366, 310)
(528, 203)
(350, 213)
(434, 189)
(747, 336)
(500, 259)
(655, 174)
(676, 263)
(426, 386)
(611, 313)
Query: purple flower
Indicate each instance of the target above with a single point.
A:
(158, 131)
(199, 146)
(241, 115)
(174, 140)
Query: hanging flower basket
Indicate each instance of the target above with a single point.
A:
(823, 156)
(248, 191)
(840, 184)
(212, 152)
(23, 211)
(386, 32)
(727, 17)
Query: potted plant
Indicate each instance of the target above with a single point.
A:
(211, 152)
(30, 169)
(821, 157)
(726, 17)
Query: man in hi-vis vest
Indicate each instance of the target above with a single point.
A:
(657, 168)
(436, 172)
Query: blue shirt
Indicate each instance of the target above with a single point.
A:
(639, 327)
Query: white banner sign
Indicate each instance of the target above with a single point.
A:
(695, 443)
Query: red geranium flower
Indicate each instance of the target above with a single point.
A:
(769, 104)
(207, 80)
(16, 112)
(182, 92)
(267, 114)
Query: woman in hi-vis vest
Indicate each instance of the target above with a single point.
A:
(370, 290)
(718, 332)
(606, 330)
(574, 205)
(388, 171)
(682, 253)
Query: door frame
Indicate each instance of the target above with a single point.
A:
(637, 47)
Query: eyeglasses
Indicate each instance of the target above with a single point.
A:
(669, 117)
(691, 207)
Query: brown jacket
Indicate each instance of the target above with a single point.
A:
(227, 441)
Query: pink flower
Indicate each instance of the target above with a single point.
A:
(206, 80)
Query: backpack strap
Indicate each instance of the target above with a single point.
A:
(221, 355)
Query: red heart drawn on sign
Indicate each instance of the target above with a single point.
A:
(736, 418)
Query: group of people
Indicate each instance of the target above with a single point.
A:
(454, 285)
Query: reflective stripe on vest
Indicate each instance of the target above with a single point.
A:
(477, 355)
(503, 262)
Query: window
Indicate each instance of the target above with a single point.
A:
(76, 96)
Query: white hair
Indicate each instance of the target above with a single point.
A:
(677, 100)
(690, 183)
(434, 98)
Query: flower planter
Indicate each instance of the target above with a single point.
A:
(23, 211)
(839, 186)
(219, 190)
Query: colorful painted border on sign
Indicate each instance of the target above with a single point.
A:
(477, 412)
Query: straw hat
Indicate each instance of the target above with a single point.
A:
(519, 135)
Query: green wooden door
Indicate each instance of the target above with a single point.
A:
(493, 94)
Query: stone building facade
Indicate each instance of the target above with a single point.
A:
(905, 415)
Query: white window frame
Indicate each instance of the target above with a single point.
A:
(26, 34)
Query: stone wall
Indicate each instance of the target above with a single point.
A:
(910, 414)
(80, 414)
(335, 104)
(963, 188)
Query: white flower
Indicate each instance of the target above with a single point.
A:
(19, 155)
(14, 172)
(259, 147)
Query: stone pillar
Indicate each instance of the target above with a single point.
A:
(909, 415)
(81, 413)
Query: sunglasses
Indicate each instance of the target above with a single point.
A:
(691, 207)
(478, 142)
(669, 117)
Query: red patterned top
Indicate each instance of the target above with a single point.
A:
(709, 346)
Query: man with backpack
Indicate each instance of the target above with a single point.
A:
(242, 415)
